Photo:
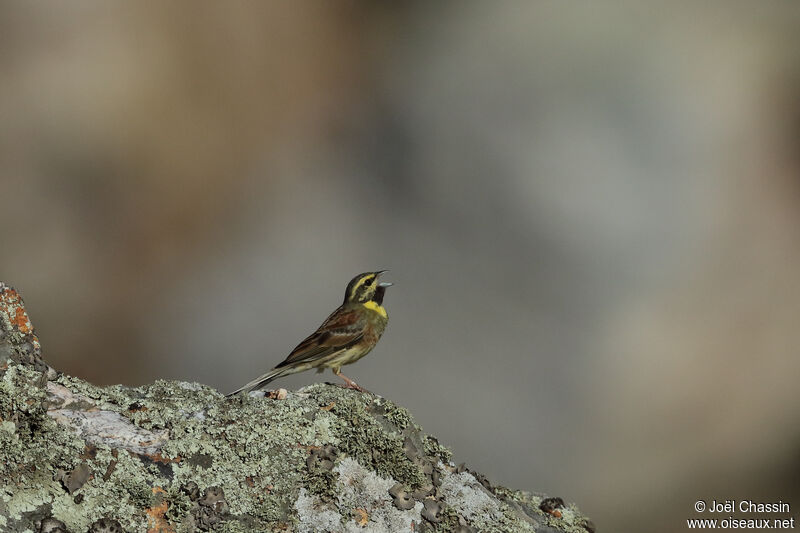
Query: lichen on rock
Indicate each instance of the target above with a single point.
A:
(180, 457)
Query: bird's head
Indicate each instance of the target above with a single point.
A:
(365, 288)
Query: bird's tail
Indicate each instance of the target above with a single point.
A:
(259, 382)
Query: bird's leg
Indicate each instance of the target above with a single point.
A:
(350, 383)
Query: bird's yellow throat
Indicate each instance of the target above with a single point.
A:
(378, 308)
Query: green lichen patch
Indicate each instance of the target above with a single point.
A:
(32, 446)
(399, 417)
(434, 449)
(367, 434)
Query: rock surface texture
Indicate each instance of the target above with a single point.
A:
(180, 457)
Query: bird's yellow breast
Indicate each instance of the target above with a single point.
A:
(378, 308)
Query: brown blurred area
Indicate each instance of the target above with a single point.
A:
(591, 214)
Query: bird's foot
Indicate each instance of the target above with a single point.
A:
(355, 386)
(350, 384)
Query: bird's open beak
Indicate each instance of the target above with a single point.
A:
(383, 283)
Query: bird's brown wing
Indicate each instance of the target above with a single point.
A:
(341, 329)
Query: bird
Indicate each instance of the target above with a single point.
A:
(347, 335)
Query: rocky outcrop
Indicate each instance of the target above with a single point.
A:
(177, 456)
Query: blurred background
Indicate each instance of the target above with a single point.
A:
(591, 215)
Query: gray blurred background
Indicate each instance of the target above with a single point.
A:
(591, 213)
